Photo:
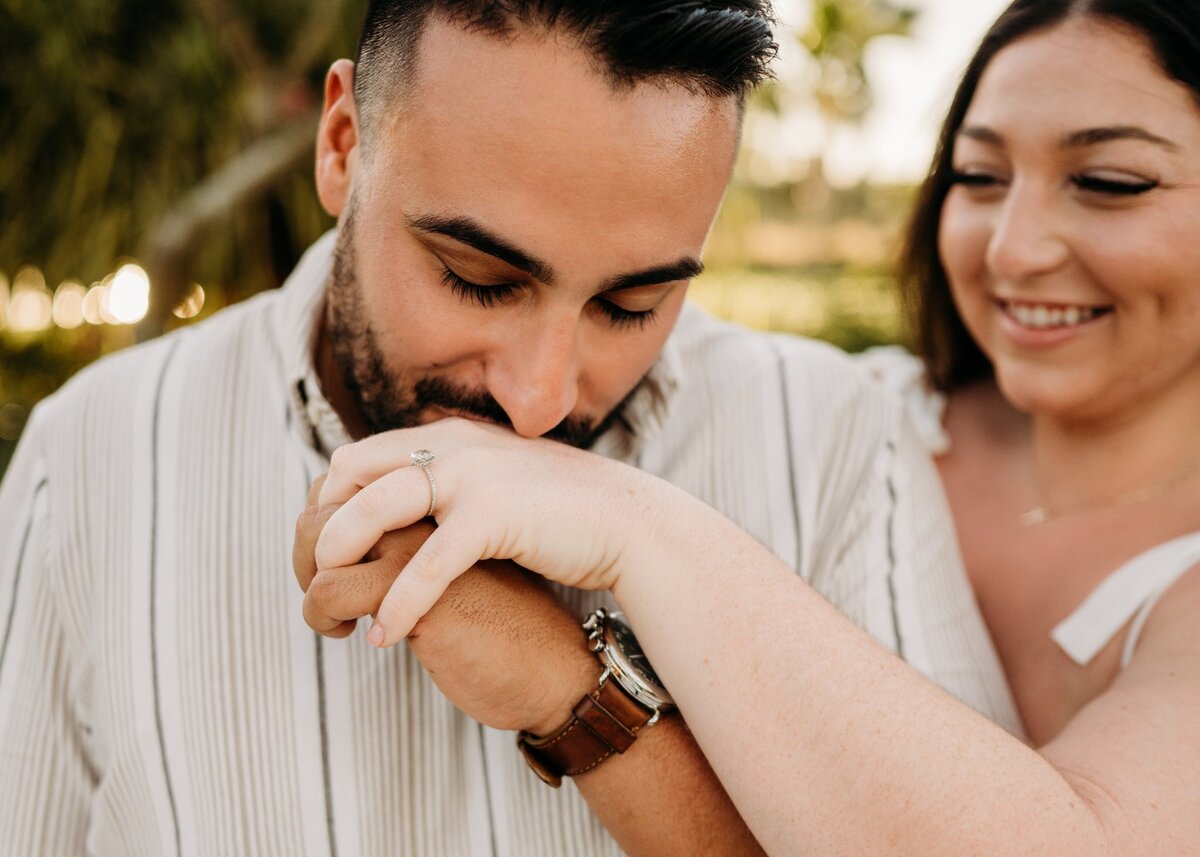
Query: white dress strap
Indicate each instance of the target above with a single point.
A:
(1131, 591)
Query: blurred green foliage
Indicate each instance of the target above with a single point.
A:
(114, 110)
(854, 308)
(837, 37)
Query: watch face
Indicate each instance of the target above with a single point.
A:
(631, 653)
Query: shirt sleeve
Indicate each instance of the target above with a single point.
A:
(896, 569)
(45, 777)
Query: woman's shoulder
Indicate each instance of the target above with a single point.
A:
(903, 375)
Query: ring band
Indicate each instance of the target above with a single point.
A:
(421, 458)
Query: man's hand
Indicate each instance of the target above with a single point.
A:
(335, 600)
(498, 644)
(504, 650)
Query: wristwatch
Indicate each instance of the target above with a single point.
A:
(629, 698)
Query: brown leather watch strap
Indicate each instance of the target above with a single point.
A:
(606, 721)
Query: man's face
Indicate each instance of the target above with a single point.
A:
(518, 245)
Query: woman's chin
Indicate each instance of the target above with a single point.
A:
(1042, 393)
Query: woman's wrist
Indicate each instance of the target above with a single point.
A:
(666, 531)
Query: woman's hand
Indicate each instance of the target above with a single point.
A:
(562, 512)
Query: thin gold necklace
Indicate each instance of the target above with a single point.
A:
(1042, 514)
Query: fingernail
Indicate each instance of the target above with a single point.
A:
(375, 635)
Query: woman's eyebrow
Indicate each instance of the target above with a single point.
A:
(1077, 139)
(1095, 136)
(981, 134)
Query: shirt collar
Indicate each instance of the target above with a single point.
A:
(298, 322)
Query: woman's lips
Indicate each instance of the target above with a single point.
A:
(1043, 324)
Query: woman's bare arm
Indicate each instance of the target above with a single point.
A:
(829, 745)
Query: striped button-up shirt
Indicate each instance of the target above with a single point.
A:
(160, 693)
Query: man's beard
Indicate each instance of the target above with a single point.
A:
(387, 403)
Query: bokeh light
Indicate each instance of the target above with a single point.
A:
(106, 316)
(191, 305)
(29, 311)
(129, 295)
(3, 299)
(92, 303)
(68, 305)
(29, 278)
(30, 305)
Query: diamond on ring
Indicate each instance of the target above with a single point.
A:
(421, 458)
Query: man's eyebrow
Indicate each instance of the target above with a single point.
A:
(681, 269)
(1095, 136)
(467, 231)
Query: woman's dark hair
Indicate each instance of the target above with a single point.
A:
(952, 359)
(715, 47)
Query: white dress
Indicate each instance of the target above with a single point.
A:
(1129, 592)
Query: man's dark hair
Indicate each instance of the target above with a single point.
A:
(952, 357)
(713, 47)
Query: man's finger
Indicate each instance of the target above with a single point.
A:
(340, 595)
(401, 545)
(315, 491)
(340, 631)
(335, 599)
(308, 529)
(447, 554)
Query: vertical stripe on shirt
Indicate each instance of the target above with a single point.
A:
(12, 603)
(319, 665)
(891, 546)
(487, 786)
(324, 721)
(790, 452)
(156, 426)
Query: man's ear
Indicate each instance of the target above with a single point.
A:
(338, 138)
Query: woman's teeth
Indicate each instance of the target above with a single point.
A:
(1042, 317)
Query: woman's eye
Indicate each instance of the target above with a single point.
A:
(970, 179)
(485, 296)
(1114, 186)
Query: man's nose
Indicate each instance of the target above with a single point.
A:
(1027, 238)
(535, 376)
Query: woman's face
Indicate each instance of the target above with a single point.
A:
(1071, 236)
